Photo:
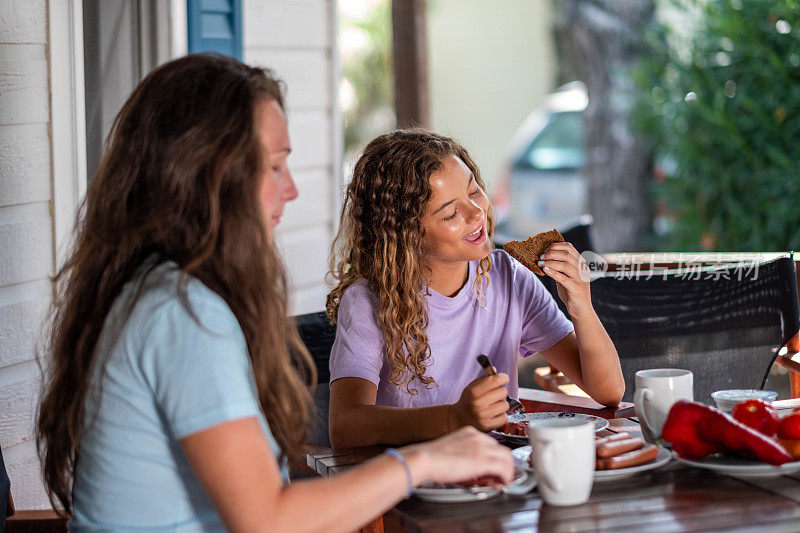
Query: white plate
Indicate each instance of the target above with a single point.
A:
(522, 454)
(739, 466)
(599, 423)
(519, 485)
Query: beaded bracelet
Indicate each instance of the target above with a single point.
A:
(392, 452)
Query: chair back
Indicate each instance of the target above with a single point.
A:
(6, 504)
(580, 235)
(726, 323)
(318, 335)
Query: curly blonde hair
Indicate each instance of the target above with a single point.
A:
(380, 240)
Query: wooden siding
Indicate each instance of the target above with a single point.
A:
(296, 38)
(26, 237)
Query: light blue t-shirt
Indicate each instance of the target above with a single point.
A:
(166, 377)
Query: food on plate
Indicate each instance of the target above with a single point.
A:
(611, 438)
(789, 426)
(480, 481)
(758, 415)
(626, 460)
(792, 446)
(618, 447)
(622, 451)
(515, 428)
(528, 251)
(696, 430)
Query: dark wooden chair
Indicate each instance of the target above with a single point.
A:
(6, 502)
(318, 335)
(728, 324)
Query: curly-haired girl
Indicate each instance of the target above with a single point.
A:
(420, 294)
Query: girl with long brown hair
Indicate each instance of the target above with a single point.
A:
(175, 385)
(420, 294)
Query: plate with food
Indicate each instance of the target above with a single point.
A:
(625, 457)
(514, 430)
(616, 456)
(481, 488)
(753, 441)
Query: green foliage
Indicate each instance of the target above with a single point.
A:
(723, 104)
(369, 72)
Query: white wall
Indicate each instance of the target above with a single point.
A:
(297, 39)
(26, 235)
(489, 65)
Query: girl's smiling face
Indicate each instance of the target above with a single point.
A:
(455, 216)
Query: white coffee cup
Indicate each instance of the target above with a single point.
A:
(563, 459)
(656, 390)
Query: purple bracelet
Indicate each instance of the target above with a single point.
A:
(393, 452)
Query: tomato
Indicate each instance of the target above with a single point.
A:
(789, 427)
(758, 415)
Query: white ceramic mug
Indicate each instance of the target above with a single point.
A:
(563, 459)
(656, 390)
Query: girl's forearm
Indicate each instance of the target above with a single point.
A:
(365, 491)
(365, 425)
(601, 374)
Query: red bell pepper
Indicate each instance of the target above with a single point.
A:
(685, 422)
(696, 430)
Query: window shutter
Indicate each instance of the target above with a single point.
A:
(215, 26)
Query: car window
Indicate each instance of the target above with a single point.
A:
(558, 146)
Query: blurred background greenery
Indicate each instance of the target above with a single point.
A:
(366, 89)
(721, 102)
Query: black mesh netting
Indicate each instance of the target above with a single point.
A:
(725, 324)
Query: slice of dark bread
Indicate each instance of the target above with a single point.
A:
(528, 251)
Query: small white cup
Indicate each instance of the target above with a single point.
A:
(563, 459)
(656, 390)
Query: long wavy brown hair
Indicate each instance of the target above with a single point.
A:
(380, 241)
(178, 180)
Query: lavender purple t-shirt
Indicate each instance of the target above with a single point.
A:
(519, 318)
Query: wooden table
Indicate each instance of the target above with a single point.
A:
(673, 498)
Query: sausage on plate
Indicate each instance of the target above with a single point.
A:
(626, 460)
(610, 449)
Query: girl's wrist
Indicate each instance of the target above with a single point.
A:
(582, 313)
(418, 464)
